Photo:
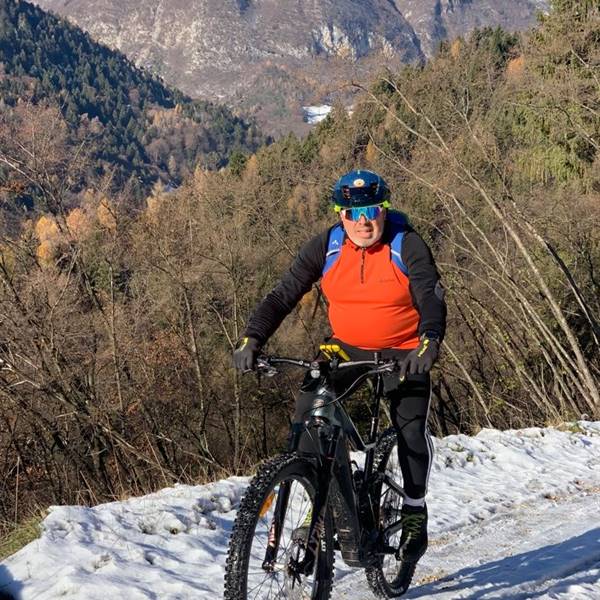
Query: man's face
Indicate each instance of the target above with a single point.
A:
(364, 232)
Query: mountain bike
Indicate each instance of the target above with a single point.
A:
(315, 498)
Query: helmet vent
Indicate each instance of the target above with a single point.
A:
(360, 188)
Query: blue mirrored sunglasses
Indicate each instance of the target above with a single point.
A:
(369, 212)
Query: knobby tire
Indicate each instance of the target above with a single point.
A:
(302, 474)
(381, 576)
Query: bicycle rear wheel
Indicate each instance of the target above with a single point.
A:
(246, 578)
(387, 578)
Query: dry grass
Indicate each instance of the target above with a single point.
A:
(17, 536)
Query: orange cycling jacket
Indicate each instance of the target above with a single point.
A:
(372, 304)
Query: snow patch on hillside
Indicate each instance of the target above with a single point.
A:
(315, 114)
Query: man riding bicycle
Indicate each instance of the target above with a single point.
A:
(384, 294)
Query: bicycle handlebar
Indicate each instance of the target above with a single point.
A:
(265, 364)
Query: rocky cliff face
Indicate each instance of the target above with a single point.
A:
(436, 20)
(271, 56)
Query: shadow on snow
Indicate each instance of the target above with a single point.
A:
(525, 575)
(9, 588)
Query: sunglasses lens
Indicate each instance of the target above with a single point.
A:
(370, 213)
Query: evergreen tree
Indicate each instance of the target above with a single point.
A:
(83, 77)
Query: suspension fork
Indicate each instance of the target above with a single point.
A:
(276, 525)
(328, 438)
(281, 505)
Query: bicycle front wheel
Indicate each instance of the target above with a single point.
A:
(247, 577)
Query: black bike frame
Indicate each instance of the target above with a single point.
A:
(330, 429)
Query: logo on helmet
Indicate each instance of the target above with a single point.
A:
(358, 183)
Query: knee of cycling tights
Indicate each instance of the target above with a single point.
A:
(413, 434)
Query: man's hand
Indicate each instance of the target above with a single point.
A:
(421, 359)
(245, 353)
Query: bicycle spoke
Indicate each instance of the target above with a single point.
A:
(277, 583)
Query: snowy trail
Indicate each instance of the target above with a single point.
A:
(541, 550)
(513, 514)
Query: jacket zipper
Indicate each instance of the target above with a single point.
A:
(362, 265)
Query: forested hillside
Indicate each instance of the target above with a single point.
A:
(117, 327)
(135, 128)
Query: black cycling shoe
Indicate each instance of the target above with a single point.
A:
(413, 541)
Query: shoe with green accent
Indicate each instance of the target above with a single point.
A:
(413, 541)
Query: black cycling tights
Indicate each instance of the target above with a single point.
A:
(409, 408)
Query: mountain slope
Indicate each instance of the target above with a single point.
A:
(509, 518)
(138, 121)
(437, 20)
(272, 56)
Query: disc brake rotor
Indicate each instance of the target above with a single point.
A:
(297, 587)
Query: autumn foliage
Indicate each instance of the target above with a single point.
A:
(119, 317)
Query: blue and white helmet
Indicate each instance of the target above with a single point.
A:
(360, 188)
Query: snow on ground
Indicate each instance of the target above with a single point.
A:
(315, 114)
(513, 514)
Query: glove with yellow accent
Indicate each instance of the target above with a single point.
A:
(245, 353)
(421, 359)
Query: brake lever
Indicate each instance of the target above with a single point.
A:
(389, 367)
(269, 371)
(263, 367)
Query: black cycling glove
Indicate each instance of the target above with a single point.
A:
(245, 353)
(421, 359)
